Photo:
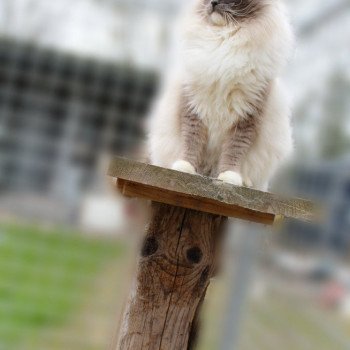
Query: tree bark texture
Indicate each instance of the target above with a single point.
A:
(178, 258)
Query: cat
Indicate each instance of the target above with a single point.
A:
(224, 113)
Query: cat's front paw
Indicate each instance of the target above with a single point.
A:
(248, 183)
(231, 177)
(184, 166)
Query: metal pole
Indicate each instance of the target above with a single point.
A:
(240, 282)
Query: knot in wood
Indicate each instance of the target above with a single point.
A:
(149, 247)
(194, 255)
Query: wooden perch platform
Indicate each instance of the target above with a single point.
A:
(205, 194)
(181, 248)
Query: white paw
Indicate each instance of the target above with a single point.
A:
(248, 183)
(231, 177)
(184, 166)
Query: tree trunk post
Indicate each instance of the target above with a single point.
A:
(180, 250)
(177, 260)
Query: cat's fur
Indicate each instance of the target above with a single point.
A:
(225, 113)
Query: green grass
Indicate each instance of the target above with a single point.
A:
(50, 277)
(45, 277)
(276, 321)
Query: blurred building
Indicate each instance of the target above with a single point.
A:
(63, 107)
(136, 32)
(60, 115)
(76, 81)
(327, 183)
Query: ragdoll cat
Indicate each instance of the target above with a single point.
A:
(225, 113)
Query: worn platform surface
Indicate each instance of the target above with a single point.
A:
(205, 194)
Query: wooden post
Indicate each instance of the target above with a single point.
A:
(179, 253)
(176, 263)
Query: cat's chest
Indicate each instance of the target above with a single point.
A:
(221, 79)
(217, 59)
(222, 104)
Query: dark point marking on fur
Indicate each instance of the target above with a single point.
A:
(234, 11)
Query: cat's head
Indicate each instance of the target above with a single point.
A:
(221, 12)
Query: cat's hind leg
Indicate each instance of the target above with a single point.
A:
(274, 142)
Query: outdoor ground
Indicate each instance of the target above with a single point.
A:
(58, 288)
(62, 290)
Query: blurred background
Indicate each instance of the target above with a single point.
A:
(77, 79)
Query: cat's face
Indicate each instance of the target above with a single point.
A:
(232, 11)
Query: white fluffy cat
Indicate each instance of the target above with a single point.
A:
(225, 113)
